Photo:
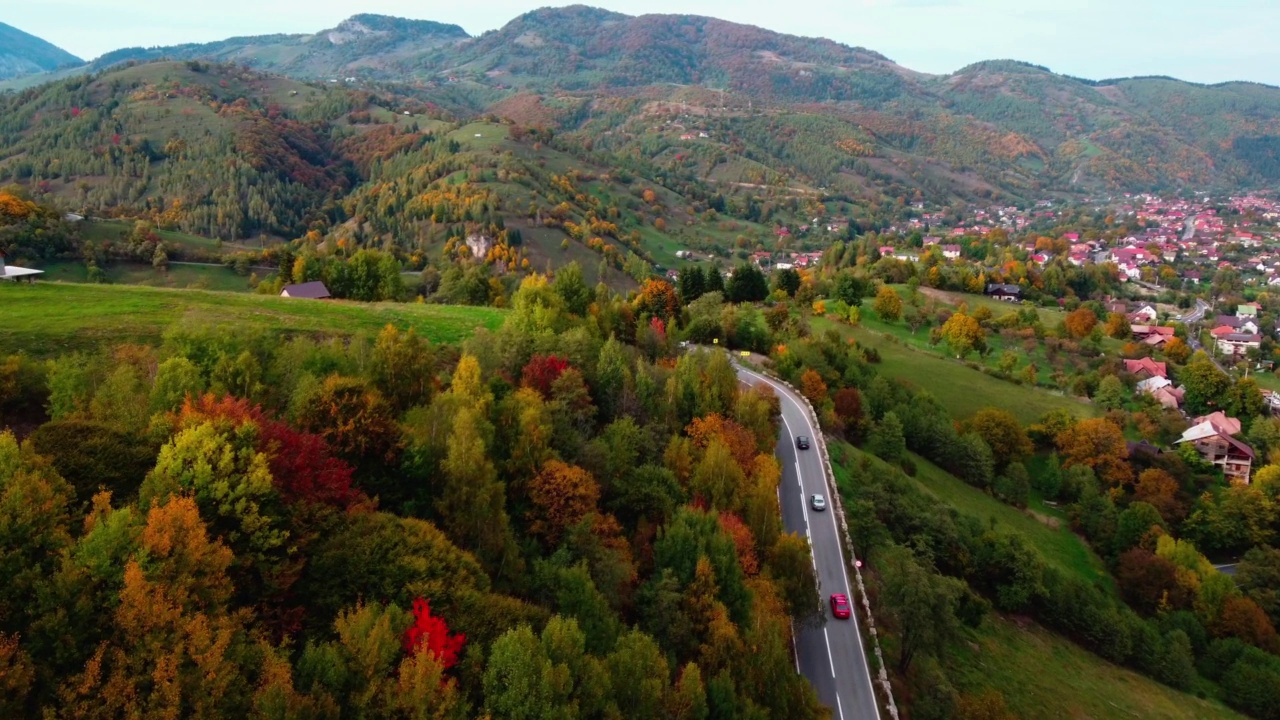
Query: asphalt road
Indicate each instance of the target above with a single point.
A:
(829, 653)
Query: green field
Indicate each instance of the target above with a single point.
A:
(1044, 677)
(196, 277)
(46, 319)
(960, 388)
(997, 343)
(119, 230)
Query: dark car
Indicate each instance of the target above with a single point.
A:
(802, 442)
(840, 606)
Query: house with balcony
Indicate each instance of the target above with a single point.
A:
(1220, 449)
(1238, 343)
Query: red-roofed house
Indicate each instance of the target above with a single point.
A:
(1222, 421)
(1146, 368)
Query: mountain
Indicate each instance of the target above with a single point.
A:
(222, 151)
(362, 44)
(736, 106)
(25, 54)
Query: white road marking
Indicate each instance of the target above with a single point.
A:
(829, 659)
(866, 666)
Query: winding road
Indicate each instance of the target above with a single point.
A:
(829, 653)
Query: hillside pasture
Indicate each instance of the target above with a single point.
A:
(49, 319)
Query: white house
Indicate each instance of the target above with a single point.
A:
(1238, 343)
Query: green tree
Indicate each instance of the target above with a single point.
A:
(689, 697)
(787, 280)
(969, 457)
(791, 565)
(403, 367)
(851, 288)
(1013, 485)
(922, 604)
(692, 283)
(612, 379)
(1134, 524)
(520, 681)
(1003, 433)
(122, 400)
(35, 526)
(232, 485)
(1110, 394)
(472, 502)
(1258, 576)
(887, 440)
(1206, 385)
(572, 289)
(747, 285)
(718, 478)
(715, 281)
(1175, 664)
(639, 660)
(1244, 399)
(176, 380)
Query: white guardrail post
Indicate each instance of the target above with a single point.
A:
(882, 675)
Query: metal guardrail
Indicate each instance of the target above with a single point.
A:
(882, 675)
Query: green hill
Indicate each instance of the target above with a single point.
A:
(48, 319)
(25, 54)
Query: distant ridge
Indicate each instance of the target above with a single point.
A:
(25, 54)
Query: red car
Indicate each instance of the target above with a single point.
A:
(840, 606)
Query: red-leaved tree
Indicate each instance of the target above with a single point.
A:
(542, 371)
(432, 634)
(743, 541)
(303, 468)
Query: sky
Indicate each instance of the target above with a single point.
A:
(1203, 41)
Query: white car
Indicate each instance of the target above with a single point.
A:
(817, 502)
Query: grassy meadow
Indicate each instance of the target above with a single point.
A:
(195, 277)
(1044, 677)
(960, 388)
(46, 319)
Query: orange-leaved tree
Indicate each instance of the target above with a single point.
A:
(657, 298)
(740, 441)
(1080, 322)
(562, 495)
(812, 386)
(1099, 444)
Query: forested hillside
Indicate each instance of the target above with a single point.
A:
(826, 114)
